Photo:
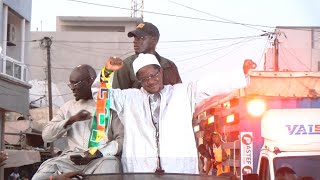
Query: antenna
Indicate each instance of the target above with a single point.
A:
(137, 8)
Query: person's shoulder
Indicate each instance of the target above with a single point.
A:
(68, 103)
(165, 59)
(167, 62)
(130, 59)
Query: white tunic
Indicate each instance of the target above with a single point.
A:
(77, 136)
(178, 151)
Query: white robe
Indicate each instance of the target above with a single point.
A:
(77, 136)
(178, 151)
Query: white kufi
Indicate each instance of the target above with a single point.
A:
(144, 60)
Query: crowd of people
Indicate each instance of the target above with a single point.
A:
(212, 155)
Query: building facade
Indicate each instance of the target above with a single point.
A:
(15, 17)
(77, 40)
(298, 49)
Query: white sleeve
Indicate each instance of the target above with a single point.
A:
(220, 83)
(54, 129)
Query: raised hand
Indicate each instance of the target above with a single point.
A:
(82, 115)
(114, 63)
(83, 159)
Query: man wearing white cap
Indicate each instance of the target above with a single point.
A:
(158, 118)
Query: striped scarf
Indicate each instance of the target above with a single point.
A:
(101, 117)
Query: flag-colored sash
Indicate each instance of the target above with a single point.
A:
(101, 117)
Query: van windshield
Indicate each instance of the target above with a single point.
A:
(302, 165)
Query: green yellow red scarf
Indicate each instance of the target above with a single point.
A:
(102, 115)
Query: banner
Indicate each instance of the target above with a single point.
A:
(246, 153)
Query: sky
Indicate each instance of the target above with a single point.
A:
(205, 43)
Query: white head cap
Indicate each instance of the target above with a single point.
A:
(144, 60)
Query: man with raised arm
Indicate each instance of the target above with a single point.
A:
(157, 118)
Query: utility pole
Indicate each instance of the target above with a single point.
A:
(276, 53)
(46, 44)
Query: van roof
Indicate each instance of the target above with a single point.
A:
(292, 129)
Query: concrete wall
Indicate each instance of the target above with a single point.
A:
(1, 22)
(295, 50)
(14, 95)
(96, 24)
(316, 50)
(22, 7)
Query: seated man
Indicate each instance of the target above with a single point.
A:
(75, 119)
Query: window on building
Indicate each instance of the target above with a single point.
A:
(14, 69)
(17, 71)
(9, 68)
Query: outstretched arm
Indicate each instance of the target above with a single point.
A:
(218, 84)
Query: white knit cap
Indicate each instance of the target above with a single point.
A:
(144, 60)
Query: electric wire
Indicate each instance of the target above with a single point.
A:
(178, 16)
(215, 59)
(172, 41)
(191, 58)
(246, 25)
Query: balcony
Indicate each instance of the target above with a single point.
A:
(13, 68)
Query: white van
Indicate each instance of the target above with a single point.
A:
(292, 139)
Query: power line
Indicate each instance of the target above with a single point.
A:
(171, 15)
(87, 48)
(265, 49)
(247, 25)
(284, 57)
(295, 56)
(95, 53)
(214, 50)
(65, 94)
(173, 41)
(63, 68)
(179, 16)
(214, 60)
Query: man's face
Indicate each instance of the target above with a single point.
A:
(144, 44)
(79, 84)
(207, 138)
(216, 139)
(151, 79)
